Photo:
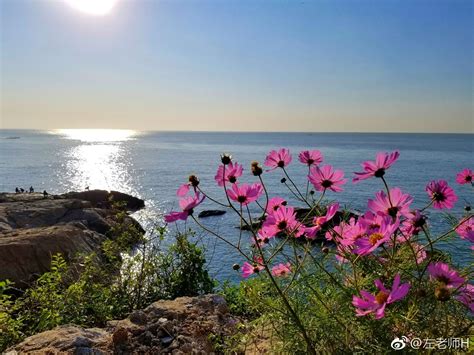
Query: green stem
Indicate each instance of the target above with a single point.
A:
(296, 188)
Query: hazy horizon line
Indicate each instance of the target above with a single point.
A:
(230, 131)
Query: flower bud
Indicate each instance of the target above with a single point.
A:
(283, 180)
(421, 293)
(193, 179)
(467, 208)
(226, 158)
(256, 169)
(236, 266)
(325, 250)
(311, 192)
(442, 293)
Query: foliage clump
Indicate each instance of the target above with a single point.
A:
(122, 277)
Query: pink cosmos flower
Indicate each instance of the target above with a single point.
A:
(442, 195)
(371, 221)
(347, 233)
(420, 253)
(398, 203)
(245, 193)
(187, 205)
(442, 273)
(318, 222)
(465, 177)
(368, 244)
(275, 203)
(265, 234)
(376, 304)
(281, 269)
(311, 157)
(283, 220)
(466, 296)
(330, 213)
(413, 224)
(183, 190)
(228, 173)
(466, 229)
(326, 178)
(377, 168)
(345, 236)
(341, 251)
(248, 269)
(278, 159)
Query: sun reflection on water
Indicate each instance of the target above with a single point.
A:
(98, 159)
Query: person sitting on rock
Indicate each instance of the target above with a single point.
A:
(22, 189)
(17, 190)
(32, 189)
(45, 194)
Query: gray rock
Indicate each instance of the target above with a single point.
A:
(190, 334)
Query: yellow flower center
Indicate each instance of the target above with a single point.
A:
(375, 237)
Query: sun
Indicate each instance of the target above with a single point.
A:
(93, 7)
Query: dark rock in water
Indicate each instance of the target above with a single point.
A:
(105, 199)
(133, 203)
(254, 225)
(209, 213)
(34, 227)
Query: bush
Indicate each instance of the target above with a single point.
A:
(97, 288)
(329, 281)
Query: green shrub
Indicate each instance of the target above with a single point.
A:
(96, 288)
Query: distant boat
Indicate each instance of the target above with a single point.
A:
(12, 137)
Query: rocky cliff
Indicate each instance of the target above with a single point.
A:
(34, 227)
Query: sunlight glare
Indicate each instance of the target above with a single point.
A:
(97, 135)
(93, 7)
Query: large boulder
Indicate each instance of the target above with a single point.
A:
(182, 326)
(26, 253)
(105, 199)
(67, 339)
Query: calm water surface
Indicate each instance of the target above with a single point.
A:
(152, 165)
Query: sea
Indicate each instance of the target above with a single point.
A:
(152, 165)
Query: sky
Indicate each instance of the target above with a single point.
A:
(239, 65)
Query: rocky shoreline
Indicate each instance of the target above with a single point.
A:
(34, 227)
